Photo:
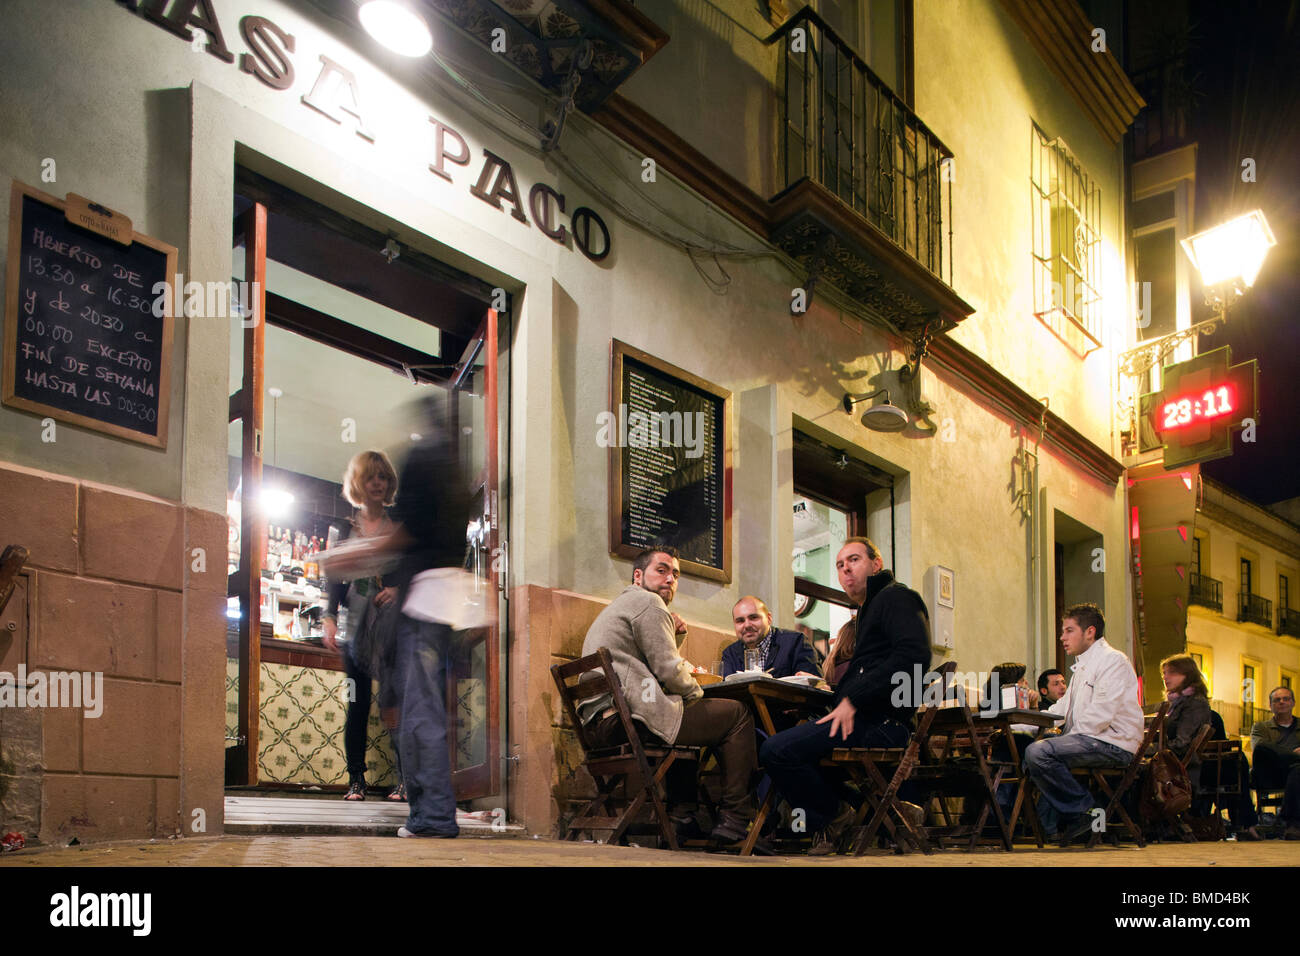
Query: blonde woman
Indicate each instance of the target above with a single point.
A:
(370, 486)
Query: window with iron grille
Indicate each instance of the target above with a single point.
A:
(1066, 207)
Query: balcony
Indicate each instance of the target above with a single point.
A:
(866, 201)
(1253, 609)
(1205, 591)
(1288, 621)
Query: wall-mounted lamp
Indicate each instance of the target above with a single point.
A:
(879, 418)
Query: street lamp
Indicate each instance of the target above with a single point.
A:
(1228, 257)
(1231, 252)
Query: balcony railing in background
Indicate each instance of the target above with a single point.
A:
(1205, 591)
(1255, 609)
(1288, 621)
(845, 129)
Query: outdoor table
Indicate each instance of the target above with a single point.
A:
(761, 692)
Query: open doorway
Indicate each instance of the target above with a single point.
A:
(837, 495)
(1080, 571)
(356, 328)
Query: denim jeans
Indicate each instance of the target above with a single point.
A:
(1048, 763)
(793, 758)
(423, 653)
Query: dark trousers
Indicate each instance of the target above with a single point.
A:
(354, 726)
(793, 759)
(725, 726)
(358, 718)
(1278, 770)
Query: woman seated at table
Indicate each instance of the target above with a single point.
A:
(837, 661)
(1189, 711)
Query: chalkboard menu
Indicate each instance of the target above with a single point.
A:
(670, 463)
(87, 340)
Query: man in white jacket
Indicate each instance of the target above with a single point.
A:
(1103, 723)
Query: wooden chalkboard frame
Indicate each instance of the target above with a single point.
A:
(618, 547)
(17, 192)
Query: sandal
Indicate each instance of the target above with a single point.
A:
(399, 793)
(356, 790)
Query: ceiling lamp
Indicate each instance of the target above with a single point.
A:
(397, 26)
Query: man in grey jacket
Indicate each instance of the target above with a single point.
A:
(665, 700)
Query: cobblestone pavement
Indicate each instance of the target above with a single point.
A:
(469, 851)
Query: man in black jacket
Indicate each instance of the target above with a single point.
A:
(892, 644)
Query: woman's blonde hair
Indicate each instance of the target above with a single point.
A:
(844, 641)
(364, 466)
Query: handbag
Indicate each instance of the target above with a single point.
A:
(1167, 790)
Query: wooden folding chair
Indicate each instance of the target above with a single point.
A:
(1100, 778)
(879, 772)
(639, 767)
(11, 562)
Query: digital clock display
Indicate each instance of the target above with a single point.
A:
(1210, 405)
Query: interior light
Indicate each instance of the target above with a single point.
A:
(397, 26)
(276, 502)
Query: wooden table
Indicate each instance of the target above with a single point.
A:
(762, 694)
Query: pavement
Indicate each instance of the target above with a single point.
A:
(284, 850)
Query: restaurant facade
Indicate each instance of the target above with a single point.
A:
(875, 257)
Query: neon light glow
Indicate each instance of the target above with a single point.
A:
(1207, 406)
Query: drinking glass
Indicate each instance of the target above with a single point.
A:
(753, 660)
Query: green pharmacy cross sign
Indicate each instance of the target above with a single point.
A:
(1203, 400)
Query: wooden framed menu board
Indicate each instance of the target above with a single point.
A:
(87, 340)
(669, 438)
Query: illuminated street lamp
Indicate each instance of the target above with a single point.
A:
(397, 26)
(1228, 257)
(1231, 252)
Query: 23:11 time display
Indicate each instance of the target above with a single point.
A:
(1211, 404)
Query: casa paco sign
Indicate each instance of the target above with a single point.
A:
(335, 94)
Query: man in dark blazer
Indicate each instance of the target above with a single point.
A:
(785, 652)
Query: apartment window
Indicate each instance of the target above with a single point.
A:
(1200, 662)
(1283, 592)
(1196, 555)
(1066, 208)
(875, 32)
(1245, 577)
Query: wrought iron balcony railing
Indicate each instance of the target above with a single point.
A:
(1288, 621)
(1255, 609)
(845, 129)
(1205, 591)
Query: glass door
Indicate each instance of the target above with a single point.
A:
(245, 578)
(473, 695)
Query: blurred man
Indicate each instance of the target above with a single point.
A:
(664, 698)
(784, 653)
(432, 509)
(1103, 724)
(892, 640)
(1276, 744)
(1051, 688)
